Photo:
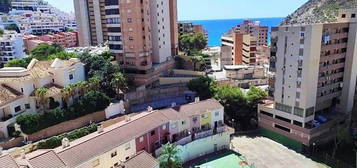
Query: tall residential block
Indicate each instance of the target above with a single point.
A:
(255, 29)
(141, 33)
(315, 80)
(243, 48)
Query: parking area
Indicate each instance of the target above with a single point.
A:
(265, 153)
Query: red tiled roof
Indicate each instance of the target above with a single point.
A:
(7, 161)
(141, 160)
(87, 148)
(46, 160)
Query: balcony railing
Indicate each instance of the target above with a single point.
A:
(204, 134)
(184, 140)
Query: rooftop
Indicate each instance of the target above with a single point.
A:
(141, 160)
(35, 70)
(88, 147)
(6, 161)
(8, 94)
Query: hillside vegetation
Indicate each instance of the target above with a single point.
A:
(318, 11)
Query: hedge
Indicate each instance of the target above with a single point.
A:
(56, 141)
(89, 103)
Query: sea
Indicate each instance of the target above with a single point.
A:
(216, 28)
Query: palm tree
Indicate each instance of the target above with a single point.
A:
(94, 82)
(40, 94)
(169, 157)
(119, 83)
(66, 94)
(82, 87)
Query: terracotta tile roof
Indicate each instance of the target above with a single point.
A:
(75, 155)
(8, 95)
(46, 160)
(199, 108)
(141, 160)
(7, 161)
(95, 144)
(40, 69)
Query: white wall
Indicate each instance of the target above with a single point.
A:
(115, 109)
(204, 146)
(160, 33)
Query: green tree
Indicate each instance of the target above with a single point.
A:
(22, 62)
(91, 102)
(1, 32)
(94, 83)
(342, 136)
(191, 42)
(62, 55)
(255, 95)
(205, 87)
(119, 83)
(170, 157)
(43, 51)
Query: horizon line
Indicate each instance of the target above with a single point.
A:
(231, 19)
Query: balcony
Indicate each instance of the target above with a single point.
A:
(203, 134)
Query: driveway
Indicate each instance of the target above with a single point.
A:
(265, 153)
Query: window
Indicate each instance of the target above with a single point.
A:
(111, 2)
(130, 20)
(114, 154)
(70, 76)
(114, 29)
(216, 113)
(266, 113)
(194, 119)
(113, 20)
(298, 111)
(183, 122)
(298, 123)
(282, 119)
(164, 127)
(17, 109)
(22, 90)
(112, 11)
(115, 47)
(141, 139)
(114, 38)
(282, 128)
(152, 133)
(283, 108)
(353, 15)
(27, 106)
(343, 15)
(310, 111)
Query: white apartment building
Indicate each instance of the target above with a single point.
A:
(18, 86)
(315, 79)
(160, 31)
(11, 46)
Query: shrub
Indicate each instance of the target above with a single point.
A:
(91, 102)
(56, 141)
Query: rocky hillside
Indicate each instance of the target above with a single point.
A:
(318, 11)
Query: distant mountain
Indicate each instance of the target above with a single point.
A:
(318, 11)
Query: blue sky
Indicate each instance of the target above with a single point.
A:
(220, 9)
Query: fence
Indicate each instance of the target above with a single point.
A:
(57, 129)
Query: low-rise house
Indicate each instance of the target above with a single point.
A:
(18, 87)
(197, 126)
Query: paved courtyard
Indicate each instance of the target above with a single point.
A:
(265, 153)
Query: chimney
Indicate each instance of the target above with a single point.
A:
(197, 99)
(100, 129)
(65, 143)
(23, 154)
(150, 109)
(173, 104)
